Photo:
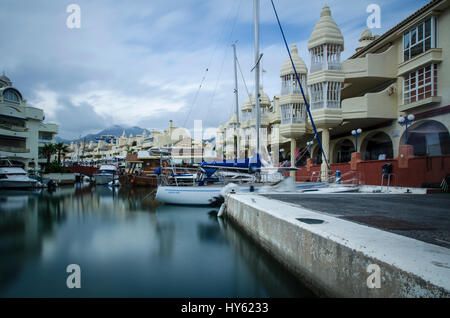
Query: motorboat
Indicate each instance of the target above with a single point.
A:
(106, 174)
(15, 178)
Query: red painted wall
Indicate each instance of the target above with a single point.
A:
(420, 170)
(89, 171)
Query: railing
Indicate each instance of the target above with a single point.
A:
(14, 149)
(292, 114)
(13, 127)
(316, 67)
(289, 90)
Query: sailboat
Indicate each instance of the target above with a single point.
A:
(210, 191)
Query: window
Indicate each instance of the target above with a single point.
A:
(11, 96)
(419, 39)
(420, 84)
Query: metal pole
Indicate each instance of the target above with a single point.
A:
(258, 110)
(236, 92)
(356, 140)
(406, 130)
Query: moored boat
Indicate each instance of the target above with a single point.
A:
(15, 178)
(106, 174)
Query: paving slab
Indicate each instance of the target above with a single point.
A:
(422, 217)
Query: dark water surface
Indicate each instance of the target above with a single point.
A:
(127, 247)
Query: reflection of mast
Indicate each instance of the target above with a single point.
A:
(257, 95)
(236, 92)
(84, 146)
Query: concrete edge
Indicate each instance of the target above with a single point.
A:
(333, 258)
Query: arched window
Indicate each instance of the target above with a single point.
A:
(11, 96)
(430, 138)
(343, 151)
(378, 146)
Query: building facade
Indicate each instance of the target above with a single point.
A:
(405, 71)
(22, 128)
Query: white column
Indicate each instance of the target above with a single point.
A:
(326, 150)
(293, 158)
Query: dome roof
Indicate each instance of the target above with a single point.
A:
(326, 31)
(366, 39)
(220, 129)
(250, 102)
(300, 65)
(366, 35)
(233, 119)
(247, 104)
(5, 78)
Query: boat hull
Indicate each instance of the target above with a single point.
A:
(11, 184)
(187, 195)
(103, 178)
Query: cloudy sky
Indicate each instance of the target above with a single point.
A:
(140, 62)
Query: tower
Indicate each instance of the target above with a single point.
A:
(292, 105)
(326, 77)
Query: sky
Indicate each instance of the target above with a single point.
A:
(141, 62)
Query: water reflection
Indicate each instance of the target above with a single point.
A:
(128, 246)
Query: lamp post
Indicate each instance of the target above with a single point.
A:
(356, 133)
(406, 121)
(309, 144)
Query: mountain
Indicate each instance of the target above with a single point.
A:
(115, 130)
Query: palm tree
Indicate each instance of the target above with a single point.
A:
(61, 149)
(48, 150)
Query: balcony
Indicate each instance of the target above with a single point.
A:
(430, 101)
(382, 65)
(321, 66)
(14, 149)
(428, 57)
(12, 127)
(371, 105)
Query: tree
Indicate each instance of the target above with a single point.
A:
(48, 150)
(61, 149)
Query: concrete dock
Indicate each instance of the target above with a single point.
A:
(336, 243)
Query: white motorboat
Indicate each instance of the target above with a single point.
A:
(15, 178)
(106, 174)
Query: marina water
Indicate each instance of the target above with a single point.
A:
(127, 246)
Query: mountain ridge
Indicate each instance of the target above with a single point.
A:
(116, 130)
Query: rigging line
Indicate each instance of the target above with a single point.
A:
(316, 135)
(243, 79)
(209, 66)
(224, 58)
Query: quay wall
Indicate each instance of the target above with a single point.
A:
(421, 171)
(333, 258)
(86, 170)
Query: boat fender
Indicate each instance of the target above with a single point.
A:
(222, 210)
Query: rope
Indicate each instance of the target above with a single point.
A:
(316, 135)
(210, 61)
(243, 79)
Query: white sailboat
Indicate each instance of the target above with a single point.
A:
(212, 194)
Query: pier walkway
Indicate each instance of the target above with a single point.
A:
(422, 217)
(335, 242)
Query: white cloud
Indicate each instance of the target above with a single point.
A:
(143, 63)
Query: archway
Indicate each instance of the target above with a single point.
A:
(317, 155)
(429, 138)
(343, 151)
(377, 146)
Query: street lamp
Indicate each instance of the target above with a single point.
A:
(309, 144)
(356, 133)
(406, 121)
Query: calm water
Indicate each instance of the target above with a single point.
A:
(126, 247)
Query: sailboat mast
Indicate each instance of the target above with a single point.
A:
(257, 58)
(236, 92)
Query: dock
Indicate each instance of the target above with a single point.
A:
(336, 243)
